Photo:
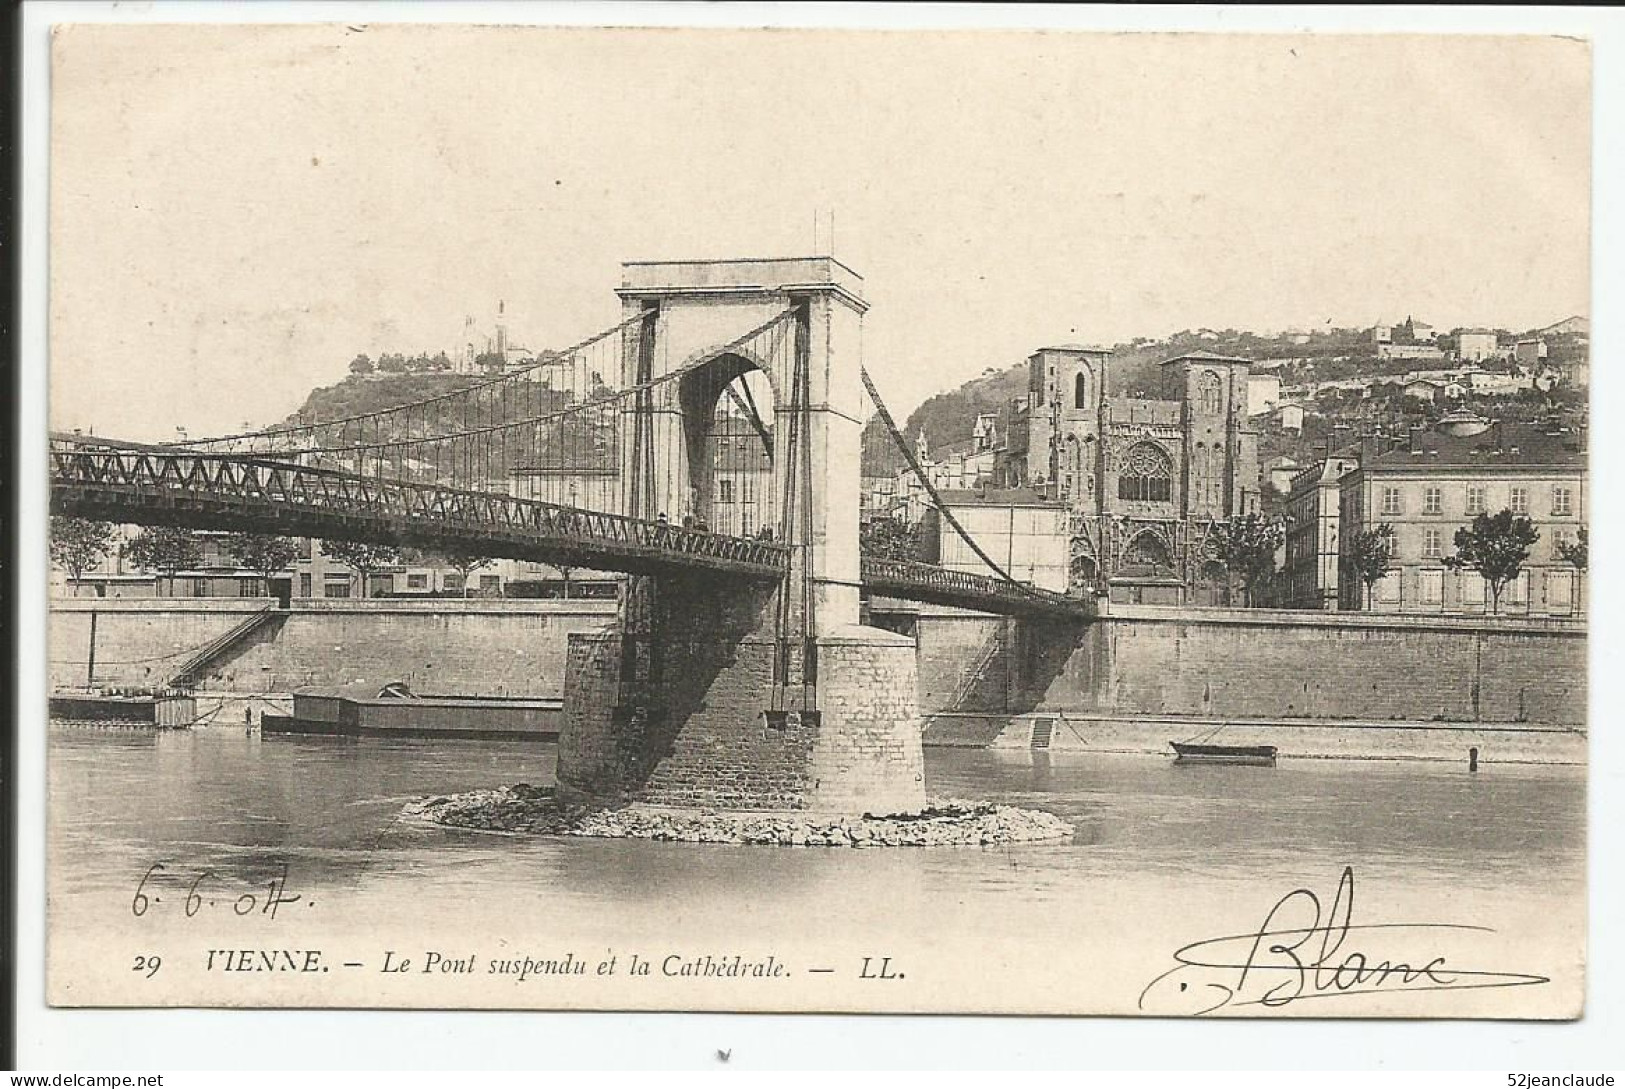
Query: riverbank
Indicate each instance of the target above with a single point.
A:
(526, 810)
(1066, 731)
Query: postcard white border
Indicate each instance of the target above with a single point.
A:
(199, 1039)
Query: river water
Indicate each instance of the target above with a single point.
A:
(1163, 856)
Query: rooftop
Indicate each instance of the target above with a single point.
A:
(1500, 446)
(741, 275)
(996, 497)
(1095, 348)
(1206, 357)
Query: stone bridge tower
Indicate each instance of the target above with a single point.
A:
(710, 691)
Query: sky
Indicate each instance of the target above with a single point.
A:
(237, 211)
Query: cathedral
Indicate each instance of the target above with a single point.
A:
(1144, 481)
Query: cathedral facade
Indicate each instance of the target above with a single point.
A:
(1145, 482)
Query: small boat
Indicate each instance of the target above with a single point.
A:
(1257, 755)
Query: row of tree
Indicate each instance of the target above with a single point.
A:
(1496, 546)
(396, 363)
(78, 545)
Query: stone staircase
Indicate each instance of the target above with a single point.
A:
(193, 668)
(1043, 728)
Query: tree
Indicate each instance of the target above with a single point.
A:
(1576, 553)
(890, 539)
(1246, 546)
(264, 555)
(466, 562)
(368, 559)
(1371, 556)
(1496, 546)
(392, 363)
(361, 364)
(166, 550)
(78, 544)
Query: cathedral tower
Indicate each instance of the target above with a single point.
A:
(1066, 387)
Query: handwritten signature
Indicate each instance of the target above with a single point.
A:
(1294, 955)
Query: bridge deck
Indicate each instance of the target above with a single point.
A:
(206, 491)
(154, 486)
(944, 586)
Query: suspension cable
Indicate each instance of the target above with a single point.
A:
(478, 430)
(551, 361)
(930, 489)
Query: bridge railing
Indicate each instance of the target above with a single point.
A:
(153, 476)
(124, 478)
(909, 578)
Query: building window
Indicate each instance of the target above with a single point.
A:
(1209, 393)
(1391, 501)
(1147, 474)
(1560, 591)
(200, 587)
(489, 583)
(1388, 588)
(1517, 591)
(1080, 391)
(1562, 502)
(725, 491)
(417, 581)
(1432, 544)
(1475, 499)
(1520, 501)
(1432, 499)
(746, 491)
(1432, 587)
(304, 585)
(336, 589)
(1474, 590)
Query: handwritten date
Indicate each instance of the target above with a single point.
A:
(207, 891)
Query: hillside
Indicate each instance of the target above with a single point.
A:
(587, 439)
(356, 395)
(1333, 352)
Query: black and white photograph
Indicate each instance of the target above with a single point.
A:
(1044, 522)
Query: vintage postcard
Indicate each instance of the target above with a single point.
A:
(851, 521)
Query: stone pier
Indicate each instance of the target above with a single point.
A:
(703, 693)
(694, 728)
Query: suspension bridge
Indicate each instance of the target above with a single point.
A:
(570, 459)
(709, 442)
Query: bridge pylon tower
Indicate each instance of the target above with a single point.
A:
(722, 693)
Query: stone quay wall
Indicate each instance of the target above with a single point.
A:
(1226, 664)
(451, 647)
